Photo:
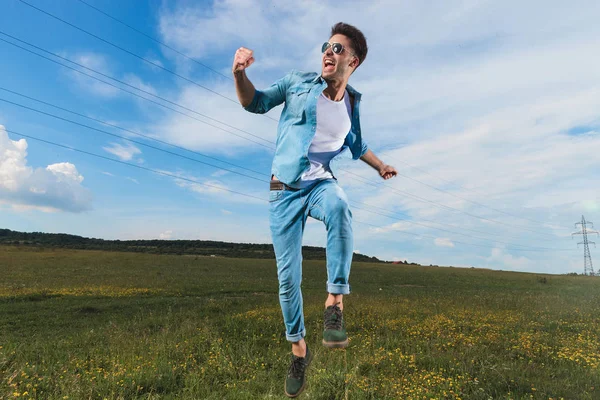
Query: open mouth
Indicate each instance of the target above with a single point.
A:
(328, 65)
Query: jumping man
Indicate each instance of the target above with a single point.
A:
(320, 120)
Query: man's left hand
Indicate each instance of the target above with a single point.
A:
(387, 172)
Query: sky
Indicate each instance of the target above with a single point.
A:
(489, 110)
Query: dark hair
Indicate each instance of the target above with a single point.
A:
(358, 40)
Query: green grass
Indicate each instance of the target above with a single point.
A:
(95, 325)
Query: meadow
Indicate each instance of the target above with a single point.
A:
(78, 324)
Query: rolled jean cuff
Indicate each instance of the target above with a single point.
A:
(295, 337)
(335, 288)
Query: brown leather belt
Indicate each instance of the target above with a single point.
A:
(278, 185)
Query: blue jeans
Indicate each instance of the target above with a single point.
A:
(288, 211)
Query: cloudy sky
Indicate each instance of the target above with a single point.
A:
(488, 109)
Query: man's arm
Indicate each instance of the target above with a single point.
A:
(384, 170)
(256, 101)
(243, 87)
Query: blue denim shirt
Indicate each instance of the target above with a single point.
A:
(298, 122)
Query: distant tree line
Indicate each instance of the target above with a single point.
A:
(196, 247)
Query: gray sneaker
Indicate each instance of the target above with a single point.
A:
(296, 377)
(334, 334)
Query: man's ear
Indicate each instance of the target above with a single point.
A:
(355, 62)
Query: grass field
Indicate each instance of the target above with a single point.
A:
(95, 325)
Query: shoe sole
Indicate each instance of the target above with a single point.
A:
(303, 385)
(336, 345)
(297, 394)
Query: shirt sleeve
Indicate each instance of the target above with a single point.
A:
(364, 147)
(274, 95)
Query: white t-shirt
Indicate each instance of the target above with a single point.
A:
(333, 125)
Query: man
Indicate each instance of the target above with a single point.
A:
(320, 120)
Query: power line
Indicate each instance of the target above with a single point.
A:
(442, 223)
(433, 176)
(195, 83)
(459, 186)
(204, 65)
(230, 100)
(131, 140)
(133, 54)
(154, 39)
(438, 177)
(128, 130)
(533, 248)
(133, 93)
(93, 77)
(442, 205)
(465, 199)
(134, 165)
(453, 241)
(214, 166)
(393, 189)
(206, 184)
(224, 169)
(108, 83)
(228, 190)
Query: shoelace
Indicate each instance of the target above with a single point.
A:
(297, 368)
(333, 317)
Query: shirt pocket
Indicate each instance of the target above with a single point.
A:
(296, 99)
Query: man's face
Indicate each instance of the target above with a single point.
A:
(339, 66)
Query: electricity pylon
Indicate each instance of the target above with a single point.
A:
(588, 269)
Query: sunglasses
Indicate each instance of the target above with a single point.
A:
(337, 48)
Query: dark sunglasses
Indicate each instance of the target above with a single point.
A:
(337, 48)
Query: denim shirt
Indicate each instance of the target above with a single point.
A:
(298, 122)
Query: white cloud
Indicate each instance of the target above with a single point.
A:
(157, 63)
(500, 259)
(97, 62)
(13, 168)
(101, 63)
(125, 152)
(137, 82)
(443, 242)
(65, 172)
(152, 57)
(54, 188)
(226, 212)
(219, 173)
(253, 133)
(166, 235)
(200, 31)
(206, 187)
(396, 226)
(215, 189)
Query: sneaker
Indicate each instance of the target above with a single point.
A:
(334, 334)
(296, 379)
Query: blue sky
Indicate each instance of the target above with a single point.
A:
(489, 110)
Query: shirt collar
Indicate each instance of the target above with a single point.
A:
(350, 89)
(318, 79)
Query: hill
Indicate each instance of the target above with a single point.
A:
(190, 247)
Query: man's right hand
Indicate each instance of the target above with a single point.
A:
(243, 59)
